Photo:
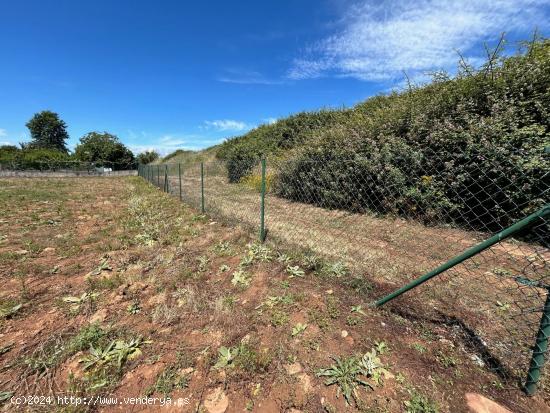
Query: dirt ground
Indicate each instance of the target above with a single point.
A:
(113, 289)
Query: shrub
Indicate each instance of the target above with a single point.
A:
(469, 150)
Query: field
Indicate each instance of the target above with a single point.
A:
(111, 286)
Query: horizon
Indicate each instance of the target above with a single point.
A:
(178, 76)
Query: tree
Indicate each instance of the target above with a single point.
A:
(104, 149)
(48, 131)
(8, 153)
(147, 157)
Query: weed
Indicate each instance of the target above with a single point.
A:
(294, 271)
(241, 279)
(260, 252)
(105, 283)
(103, 266)
(225, 357)
(77, 303)
(353, 320)
(446, 360)
(418, 403)
(345, 373)
(279, 318)
(312, 262)
(165, 315)
(419, 347)
(251, 360)
(8, 308)
(332, 306)
(360, 285)
(224, 268)
(243, 357)
(502, 306)
(222, 248)
(357, 309)
(117, 352)
(133, 308)
(203, 263)
(381, 347)
(320, 319)
(337, 269)
(352, 372)
(168, 380)
(283, 258)
(56, 350)
(298, 329)
(229, 301)
(373, 367)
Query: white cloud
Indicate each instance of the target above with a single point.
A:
(269, 121)
(247, 77)
(379, 40)
(163, 145)
(227, 125)
(3, 133)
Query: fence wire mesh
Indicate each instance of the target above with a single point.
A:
(61, 168)
(393, 224)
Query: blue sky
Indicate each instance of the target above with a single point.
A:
(187, 74)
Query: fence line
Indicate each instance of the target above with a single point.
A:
(64, 168)
(392, 226)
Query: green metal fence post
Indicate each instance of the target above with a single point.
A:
(165, 178)
(262, 203)
(518, 226)
(202, 187)
(179, 176)
(540, 348)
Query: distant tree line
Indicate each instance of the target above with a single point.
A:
(47, 148)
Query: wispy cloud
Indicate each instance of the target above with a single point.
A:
(248, 77)
(163, 144)
(269, 121)
(227, 125)
(377, 41)
(3, 133)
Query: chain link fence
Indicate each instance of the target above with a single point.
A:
(64, 168)
(395, 223)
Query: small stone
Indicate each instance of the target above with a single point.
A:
(47, 250)
(329, 292)
(446, 342)
(188, 370)
(477, 360)
(137, 287)
(99, 316)
(306, 382)
(344, 334)
(21, 252)
(293, 368)
(479, 404)
(350, 340)
(216, 401)
(383, 324)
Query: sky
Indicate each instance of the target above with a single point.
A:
(170, 74)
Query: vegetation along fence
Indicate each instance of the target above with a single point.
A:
(64, 168)
(475, 225)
